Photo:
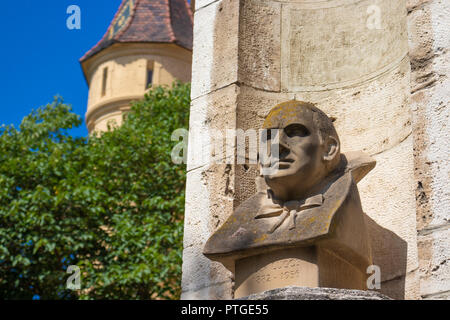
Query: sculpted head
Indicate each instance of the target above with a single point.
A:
(309, 149)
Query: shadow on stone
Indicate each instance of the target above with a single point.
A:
(389, 253)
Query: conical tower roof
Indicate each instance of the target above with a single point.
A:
(157, 21)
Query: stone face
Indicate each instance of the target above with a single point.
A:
(303, 293)
(375, 117)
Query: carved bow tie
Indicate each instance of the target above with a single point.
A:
(288, 209)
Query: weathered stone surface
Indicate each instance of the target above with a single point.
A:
(210, 200)
(345, 48)
(307, 226)
(429, 42)
(203, 273)
(434, 259)
(259, 45)
(276, 270)
(211, 114)
(207, 204)
(373, 116)
(215, 56)
(387, 193)
(432, 151)
(217, 291)
(303, 293)
(402, 287)
(421, 48)
(203, 3)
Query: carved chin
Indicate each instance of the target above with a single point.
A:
(281, 172)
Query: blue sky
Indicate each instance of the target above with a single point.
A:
(39, 55)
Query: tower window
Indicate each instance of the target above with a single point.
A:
(149, 81)
(104, 81)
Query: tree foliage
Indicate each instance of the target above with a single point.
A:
(112, 204)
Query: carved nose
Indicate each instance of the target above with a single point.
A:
(284, 151)
(283, 145)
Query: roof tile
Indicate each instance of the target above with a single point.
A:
(160, 21)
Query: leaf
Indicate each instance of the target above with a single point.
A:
(112, 204)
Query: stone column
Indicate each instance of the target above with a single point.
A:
(429, 41)
(348, 56)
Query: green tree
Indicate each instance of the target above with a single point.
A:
(112, 204)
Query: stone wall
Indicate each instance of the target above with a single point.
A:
(429, 41)
(126, 74)
(250, 55)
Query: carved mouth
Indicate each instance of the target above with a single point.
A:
(283, 163)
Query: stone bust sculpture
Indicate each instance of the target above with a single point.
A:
(305, 227)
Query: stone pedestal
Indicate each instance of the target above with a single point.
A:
(304, 293)
(306, 267)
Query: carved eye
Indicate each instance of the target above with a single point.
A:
(296, 130)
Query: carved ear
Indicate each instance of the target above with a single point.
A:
(332, 149)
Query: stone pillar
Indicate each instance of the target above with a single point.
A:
(429, 41)
(348, 56)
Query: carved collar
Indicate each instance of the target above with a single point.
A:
(287, 209)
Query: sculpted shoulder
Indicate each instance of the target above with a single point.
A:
(235, 231)
(242, 231)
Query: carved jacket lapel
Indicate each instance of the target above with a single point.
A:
(286, 209)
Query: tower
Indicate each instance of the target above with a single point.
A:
(149, 42)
